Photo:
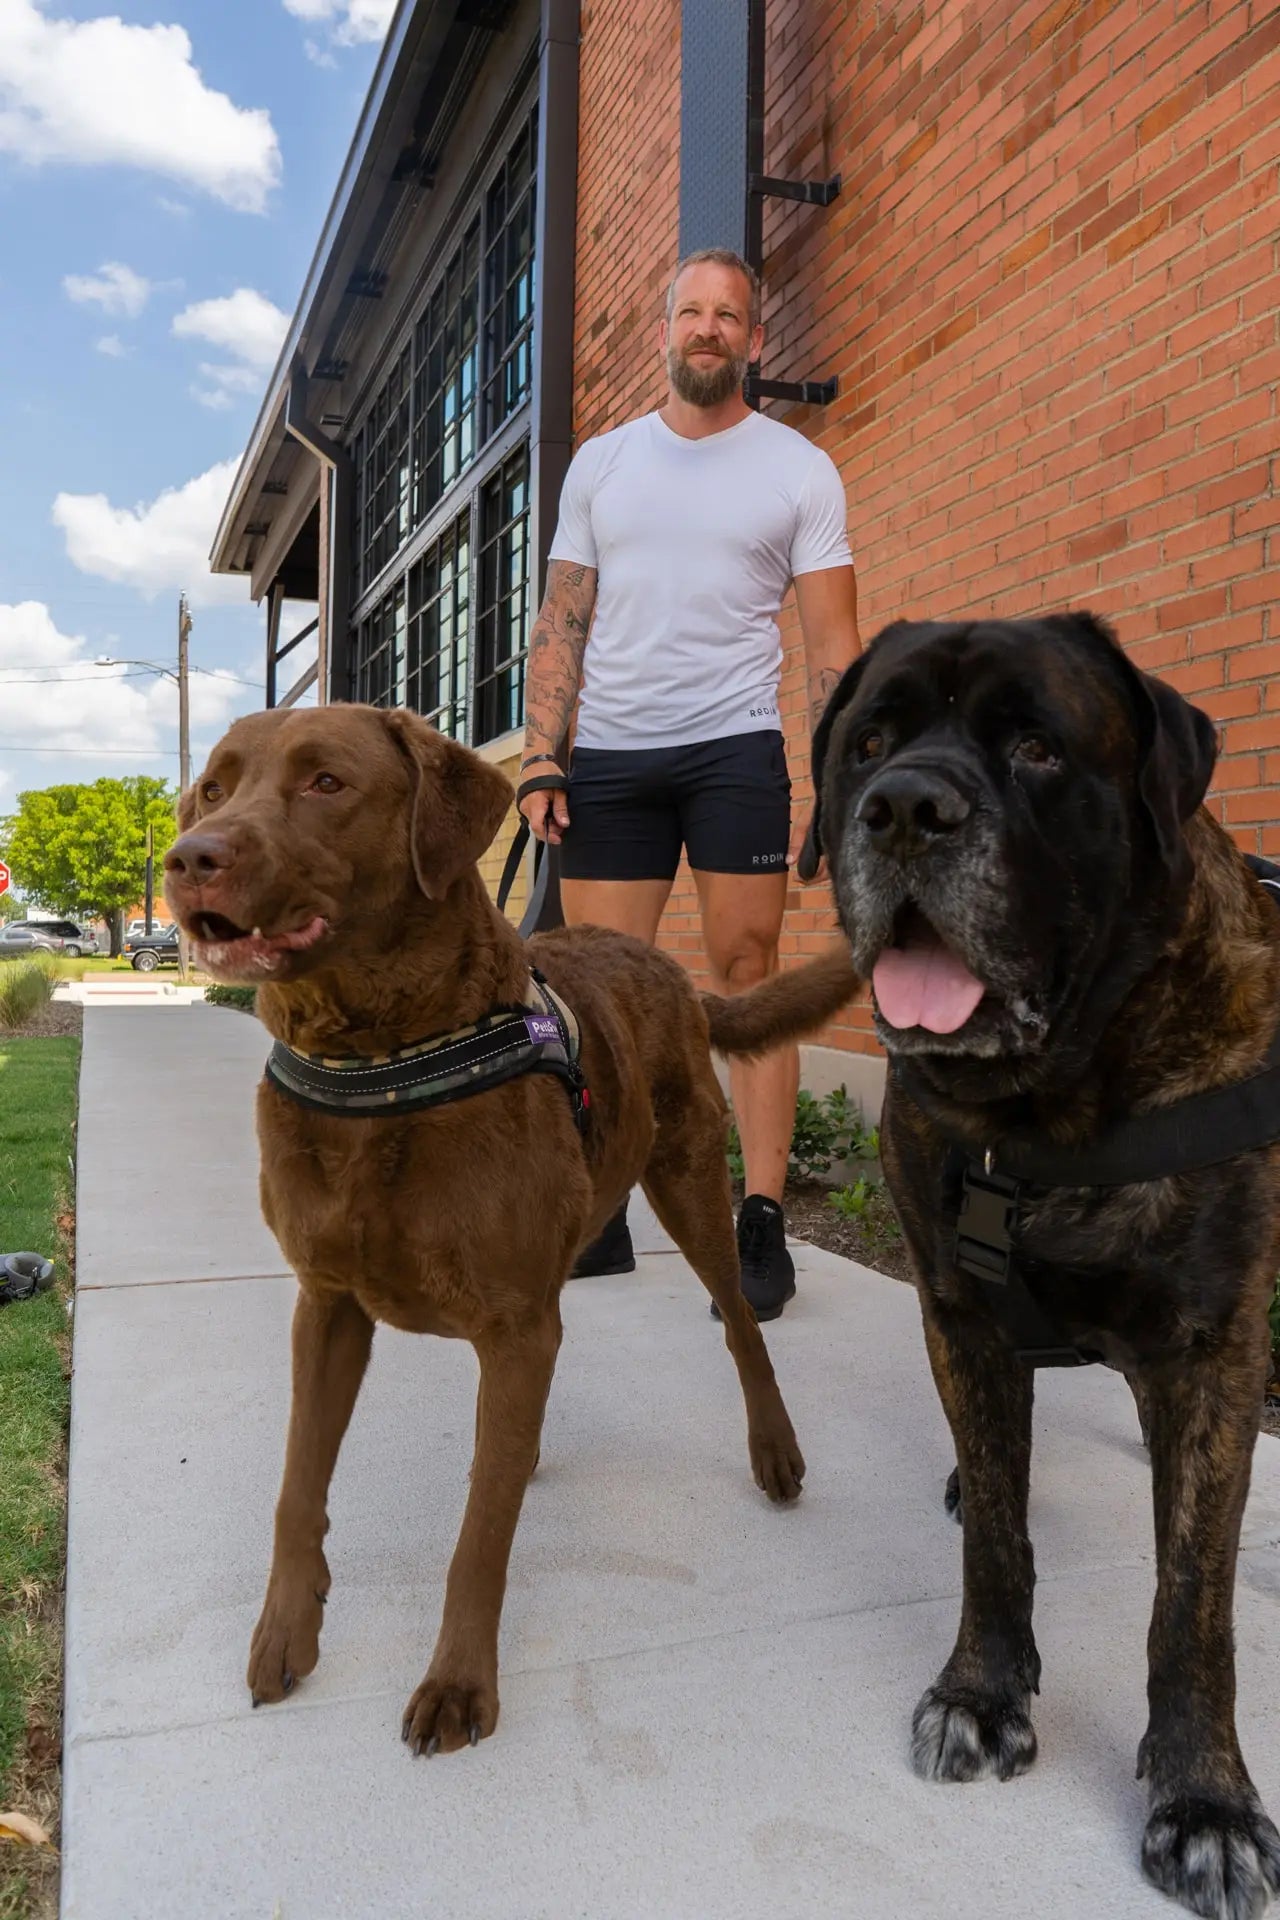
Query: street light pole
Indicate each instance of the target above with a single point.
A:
(184, 701)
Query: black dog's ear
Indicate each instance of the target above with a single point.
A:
(1178, 743)
(812, 850)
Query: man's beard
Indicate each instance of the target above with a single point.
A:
(707, 389)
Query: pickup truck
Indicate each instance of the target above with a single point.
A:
(159, 948)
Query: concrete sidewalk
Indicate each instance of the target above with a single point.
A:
(705, 1701)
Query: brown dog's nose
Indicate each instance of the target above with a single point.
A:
(198, 856)
(908, 808)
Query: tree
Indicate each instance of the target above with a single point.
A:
(81, 850)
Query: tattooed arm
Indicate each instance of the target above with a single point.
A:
(552, 680)
(828, 608)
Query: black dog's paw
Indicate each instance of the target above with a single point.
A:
(953, 1499)
(958, 1734)
(1218, 1857)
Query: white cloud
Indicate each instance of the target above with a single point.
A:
(318, 56)
(56, 700)
(244, 324)
(159, 546)
(353, 21)
(115, 288)
(105, 93)
(112, 345)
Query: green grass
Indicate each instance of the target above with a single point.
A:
(37, 1133)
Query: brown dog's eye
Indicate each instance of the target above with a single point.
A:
(871, 745)
(326, 783)
(211, 791)
(1035, 750)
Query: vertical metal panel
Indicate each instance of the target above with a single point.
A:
(715, 65)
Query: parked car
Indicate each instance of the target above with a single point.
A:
(159, 948)
(74, 939)
(19, 942)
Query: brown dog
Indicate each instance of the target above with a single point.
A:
(1072, 967)
(328, 856)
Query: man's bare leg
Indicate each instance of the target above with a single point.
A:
(741, 924)
(626, 906)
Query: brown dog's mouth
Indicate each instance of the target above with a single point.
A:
(225, 947)
(920, 981)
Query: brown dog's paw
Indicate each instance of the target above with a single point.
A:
(1221, 1858)
(960, 1734)
(286, 1641)
(777, 1463)
(444, 1715)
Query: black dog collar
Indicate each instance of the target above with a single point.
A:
(541, 1036)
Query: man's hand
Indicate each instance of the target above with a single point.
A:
(798, 831)
(547, 811)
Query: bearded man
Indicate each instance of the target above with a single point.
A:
(680, 534)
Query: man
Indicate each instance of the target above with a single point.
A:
(681, 533)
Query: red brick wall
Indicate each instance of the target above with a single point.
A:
(1049, 288)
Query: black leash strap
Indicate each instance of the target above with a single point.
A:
(538, 783)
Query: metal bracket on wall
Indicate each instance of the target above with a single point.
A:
(812, 393)
(815, 193)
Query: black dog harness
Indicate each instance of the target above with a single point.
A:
(982, 1201)
(540, 1036)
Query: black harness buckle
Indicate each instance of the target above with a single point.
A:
(987, 1213)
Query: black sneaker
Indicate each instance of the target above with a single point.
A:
(768, 1271)
(610, 1252)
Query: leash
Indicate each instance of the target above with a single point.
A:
(538, 783)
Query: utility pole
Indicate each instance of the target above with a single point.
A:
(184, 702)
(184, 733)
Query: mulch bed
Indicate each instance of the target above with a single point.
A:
(57, 1017)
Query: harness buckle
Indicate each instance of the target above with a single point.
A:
(988, 1208)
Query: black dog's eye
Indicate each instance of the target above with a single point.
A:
(326, 783)
(211, 791)
(870, 744)
(1034, 750)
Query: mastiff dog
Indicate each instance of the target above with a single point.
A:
(1077, 981)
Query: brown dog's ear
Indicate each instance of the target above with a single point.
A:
(1178, 743)
(186, 809)
(812, 850)
(459, 801)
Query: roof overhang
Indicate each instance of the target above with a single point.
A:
(411, 102)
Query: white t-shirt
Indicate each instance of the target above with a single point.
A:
(695, 543)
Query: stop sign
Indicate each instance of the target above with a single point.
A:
(4, 877)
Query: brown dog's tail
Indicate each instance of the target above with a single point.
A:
(785, 1007)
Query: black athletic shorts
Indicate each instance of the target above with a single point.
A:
(728, 802)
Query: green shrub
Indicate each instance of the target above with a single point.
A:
(851, 1203)
(828, 1128)
(245, 999)
(25, 987)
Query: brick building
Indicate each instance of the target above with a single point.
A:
(1047, 289)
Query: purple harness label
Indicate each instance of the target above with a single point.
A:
(541, 1028)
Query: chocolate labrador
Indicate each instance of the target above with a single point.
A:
(1073, 967)
(418, 1165)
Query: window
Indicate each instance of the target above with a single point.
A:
(380, 655)
(508, 279)
(438, 460)
(440, 630)
(447, 354)
(503, 628)
(382, 475)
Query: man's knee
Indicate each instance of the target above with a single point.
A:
(745, 963)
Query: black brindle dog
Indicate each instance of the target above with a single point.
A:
(1060, 938)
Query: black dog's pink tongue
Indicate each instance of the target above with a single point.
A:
(924, 984)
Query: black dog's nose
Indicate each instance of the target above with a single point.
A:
(906, 809)
(198, 856)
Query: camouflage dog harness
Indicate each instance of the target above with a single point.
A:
(540, 1036)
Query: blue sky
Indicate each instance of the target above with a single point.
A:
(165, 167)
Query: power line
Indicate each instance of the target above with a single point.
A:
(129, 753)
(71, 679)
